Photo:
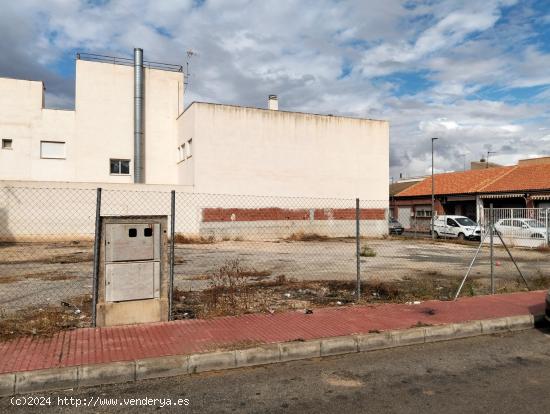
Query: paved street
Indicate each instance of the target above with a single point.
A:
(507, 373)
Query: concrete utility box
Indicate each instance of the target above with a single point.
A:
(133, 270)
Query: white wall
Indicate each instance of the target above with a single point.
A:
(101, 126)
(253, 151)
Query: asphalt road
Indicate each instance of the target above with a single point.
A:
(505, 373)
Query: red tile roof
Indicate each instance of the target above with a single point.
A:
(463, 182)
(514, 178)
(522, 178)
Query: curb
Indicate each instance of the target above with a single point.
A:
(168, 366)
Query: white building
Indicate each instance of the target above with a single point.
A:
(210, 148)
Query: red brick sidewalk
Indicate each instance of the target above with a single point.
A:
(127, 343)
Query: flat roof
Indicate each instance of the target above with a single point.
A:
(288, 112)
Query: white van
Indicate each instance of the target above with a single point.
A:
(456, 226)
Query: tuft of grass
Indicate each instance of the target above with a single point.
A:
(302, 236)
(193, 239)
(46, 321)
(367, 251)
(540, 281)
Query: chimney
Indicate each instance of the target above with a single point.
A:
(139, 108)
(273, 103)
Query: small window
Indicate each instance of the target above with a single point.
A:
(181, 153)
(148, 232)
(7, 143)
(52, 149)
(451, 222)
(189, 144)
(132, 233)
(119, 167)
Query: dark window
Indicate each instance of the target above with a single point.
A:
(451, 222)
(148, 232)
(121, 167)
(132, 233)
(7, 143)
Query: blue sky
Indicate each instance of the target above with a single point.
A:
(474, 73)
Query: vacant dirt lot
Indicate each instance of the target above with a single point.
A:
(38, 274)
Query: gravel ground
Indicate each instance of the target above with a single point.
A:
(38, 274)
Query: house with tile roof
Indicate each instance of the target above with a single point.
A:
(467, 193)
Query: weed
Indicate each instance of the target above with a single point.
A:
(193, 239)
(302, 236)
(367, 251)
(540, 281)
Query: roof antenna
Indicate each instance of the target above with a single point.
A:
(190, 54)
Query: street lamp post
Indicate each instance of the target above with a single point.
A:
(433, 198)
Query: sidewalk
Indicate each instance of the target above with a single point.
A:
(128, 343)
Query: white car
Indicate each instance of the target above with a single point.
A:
(460, 227)
(521, 228)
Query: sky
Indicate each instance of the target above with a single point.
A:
(475, 74)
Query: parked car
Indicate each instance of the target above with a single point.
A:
(395, 227)
(521, 228)
(547, 311)
(460, 227)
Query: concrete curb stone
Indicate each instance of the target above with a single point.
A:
(373, 341)
(291, 351)
(168, 366)
(46, 379)
(339, 345)
(7, 384)
(212, 361)
(110, 373)
(494, 325)
(260, 355)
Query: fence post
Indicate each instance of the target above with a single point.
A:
(491, 231)
(358, 249)
(97, 240)
(547, 232)
(172, 234)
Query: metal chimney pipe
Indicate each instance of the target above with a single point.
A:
(139, 135)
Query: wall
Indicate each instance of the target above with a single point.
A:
(46, 211)
(281, 153)
(105, 121)
(101, 126)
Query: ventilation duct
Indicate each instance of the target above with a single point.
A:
(139, 108)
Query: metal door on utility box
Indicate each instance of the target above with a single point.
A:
(127, 242)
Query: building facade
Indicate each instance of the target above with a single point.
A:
(212, 148)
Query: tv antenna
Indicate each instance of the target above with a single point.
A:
(190, 54)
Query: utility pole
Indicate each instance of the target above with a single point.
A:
(433, 198)
(487, 160)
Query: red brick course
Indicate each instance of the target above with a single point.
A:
(275, 214)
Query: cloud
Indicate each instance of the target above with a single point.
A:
(457, 70)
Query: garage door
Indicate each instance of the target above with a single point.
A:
(404, 216)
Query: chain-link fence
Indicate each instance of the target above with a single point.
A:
(241, 254)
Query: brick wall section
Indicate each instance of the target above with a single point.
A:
(275, 214)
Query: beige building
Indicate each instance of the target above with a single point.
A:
(208, 148)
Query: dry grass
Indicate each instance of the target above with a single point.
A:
(48, 276)
(367, 251)
(193, 239)
(46, 321)
(231, 291)
(302, 236)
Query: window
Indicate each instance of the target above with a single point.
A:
(52, 149)
(119, 167)
(181, 153)
(7, 143)
(423, 211)
(451, 222)
(189, 143)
